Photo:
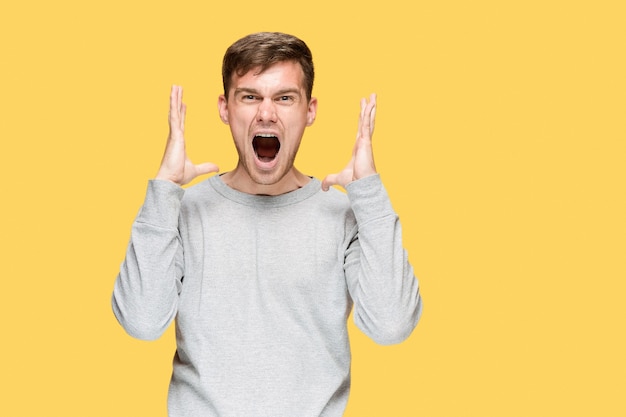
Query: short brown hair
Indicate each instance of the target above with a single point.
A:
(264, 49)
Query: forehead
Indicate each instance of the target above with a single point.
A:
(279, 76)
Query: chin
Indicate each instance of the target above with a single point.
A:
(267, 178)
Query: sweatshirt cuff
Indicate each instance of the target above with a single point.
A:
(161, 206)
(369, 199)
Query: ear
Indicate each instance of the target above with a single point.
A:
(312, 111)
(222, 106)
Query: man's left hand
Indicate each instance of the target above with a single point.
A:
(361, 164)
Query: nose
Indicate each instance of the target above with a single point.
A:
(266, 111)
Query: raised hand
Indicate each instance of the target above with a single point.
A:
(175, 165)
(361, 164)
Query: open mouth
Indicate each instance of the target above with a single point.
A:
(266, 147)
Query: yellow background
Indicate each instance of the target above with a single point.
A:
(500, 136)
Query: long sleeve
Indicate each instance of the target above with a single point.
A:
(387, 301)
(145, 296)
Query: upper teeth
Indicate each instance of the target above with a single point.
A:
(266, 135)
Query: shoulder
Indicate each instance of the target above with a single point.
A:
(334, 198)
(200, 194)
(334, 204)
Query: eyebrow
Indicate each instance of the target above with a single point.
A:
(278, 93)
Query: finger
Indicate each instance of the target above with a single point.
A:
(172, 103)
(175, 105)
(358, 128)
(363, 106)
(176, 96)
(372, 115)
(183, 114)
(367, 127)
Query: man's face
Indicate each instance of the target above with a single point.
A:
(267, 113)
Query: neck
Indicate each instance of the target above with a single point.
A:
(239, 179)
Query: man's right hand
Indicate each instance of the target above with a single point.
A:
(175, 165)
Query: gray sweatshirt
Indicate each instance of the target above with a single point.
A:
(261, 288)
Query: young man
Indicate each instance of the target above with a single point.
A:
(261, 266)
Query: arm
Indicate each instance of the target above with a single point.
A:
(387, 302)
(145, 297)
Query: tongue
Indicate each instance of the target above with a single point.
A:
(266, 148)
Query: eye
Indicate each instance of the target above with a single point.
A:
(285, 99)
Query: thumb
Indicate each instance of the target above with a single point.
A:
(329, 181)
(206, 168)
